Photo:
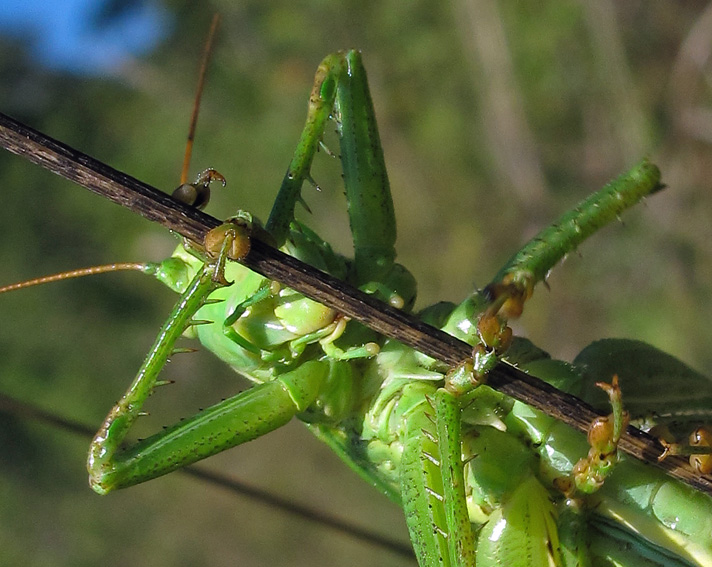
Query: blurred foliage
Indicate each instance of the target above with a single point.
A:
(495, 116)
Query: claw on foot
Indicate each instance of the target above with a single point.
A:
(507, 302)
(701, 462)
(494, 332)
(699, 450)
(463, 377)
(510, 295)
(197, 194)
(604, 434)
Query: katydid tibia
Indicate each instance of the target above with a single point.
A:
(482, 479)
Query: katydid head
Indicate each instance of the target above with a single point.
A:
(229, 240)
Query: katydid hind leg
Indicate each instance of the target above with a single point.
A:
(371, 215)
(341, 91)
(335, 84)
(320, 106)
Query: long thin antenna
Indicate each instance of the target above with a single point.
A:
(81, 272)
(207, 52)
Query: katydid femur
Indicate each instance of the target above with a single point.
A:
(482, 479)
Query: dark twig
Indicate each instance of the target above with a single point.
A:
(193, 225)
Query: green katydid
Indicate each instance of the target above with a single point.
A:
(429, 437)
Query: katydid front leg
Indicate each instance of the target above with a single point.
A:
(432, 476)
(685, 411)
(514, 283)
(226, 424)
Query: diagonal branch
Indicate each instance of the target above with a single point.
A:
(194, 224)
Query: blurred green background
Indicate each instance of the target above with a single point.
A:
(495, 117)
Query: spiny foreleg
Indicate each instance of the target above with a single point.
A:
(514, 283)
(432, 477)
